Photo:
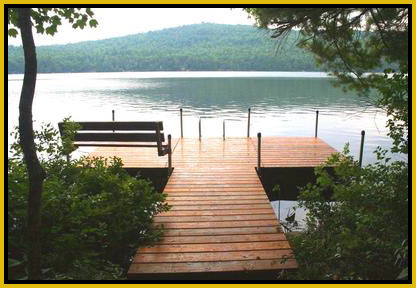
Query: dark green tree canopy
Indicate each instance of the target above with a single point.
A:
(351, 42)
(346, 41)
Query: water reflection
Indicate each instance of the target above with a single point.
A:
(216, 96)
(287, 208)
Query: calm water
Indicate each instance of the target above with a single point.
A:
(282, 103)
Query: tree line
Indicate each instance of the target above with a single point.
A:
(198, 47)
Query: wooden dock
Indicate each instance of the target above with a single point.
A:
(221, 224)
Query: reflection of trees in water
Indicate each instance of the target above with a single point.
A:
(238, 94)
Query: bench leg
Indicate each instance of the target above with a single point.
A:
(169, 155)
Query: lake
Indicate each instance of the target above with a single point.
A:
(282, 104)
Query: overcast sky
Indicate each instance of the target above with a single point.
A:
(115, 22)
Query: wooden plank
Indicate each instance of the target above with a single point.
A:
(209, 182)
(218, 224)
(218, 202)
(118, 137)
(216, 193)
(223, 238)
(121, 125)
(217, 197)
(228, 266)
(223, 231)
(113, 144)
(213, 218)
(269, 210)
(214, 185)
(220, 207)
(169, 189)
(212, 247)
(212, 256)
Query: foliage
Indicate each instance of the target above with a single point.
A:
(350, 43)
(362, 231)
(47, 20)
(393, 88)
(94, 214)
(200, 47)
(344, 40)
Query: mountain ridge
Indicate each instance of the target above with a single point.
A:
(196, 47)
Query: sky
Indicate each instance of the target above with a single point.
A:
(114, 22)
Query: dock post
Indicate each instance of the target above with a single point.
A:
(278, 197)
(181, 123)
(362, 147)
(199, 129)
(112, 112)
(169, 154)
(248, 122)
(223, 130)
(258, 151)
(316, 124)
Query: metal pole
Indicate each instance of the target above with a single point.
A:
(181, 123)
(223, 130)
(199, 129)
(278, 196)
(258, 151)
(169, 154)
(112, 112)
(248, 123)
(316, 124)
(362, 147)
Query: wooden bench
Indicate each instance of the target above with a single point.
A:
(123, 134)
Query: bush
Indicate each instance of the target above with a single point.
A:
(362, 231)
(94, 214)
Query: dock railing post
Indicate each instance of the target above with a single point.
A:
(199, 129)
(361, 147)
(169, 154)
(248, 122)
(258, 151)
(278, 197)
(181, 123)
(223, 130)
(112, 112)
(316, 124)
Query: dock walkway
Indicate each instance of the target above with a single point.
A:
(221, 224)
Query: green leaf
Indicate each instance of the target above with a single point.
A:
(89, 12)
(51, 30)
(93, 23)
(12, 32)
(39, 28)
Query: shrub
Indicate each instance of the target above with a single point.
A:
(362, 231)
(94, 214)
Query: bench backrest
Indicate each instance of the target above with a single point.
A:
(124, 133)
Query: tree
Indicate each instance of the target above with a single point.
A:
(347, 234)
(44, 20)
(350, 43)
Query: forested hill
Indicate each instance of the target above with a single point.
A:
(199, 47)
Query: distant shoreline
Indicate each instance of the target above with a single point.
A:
(188, 74)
